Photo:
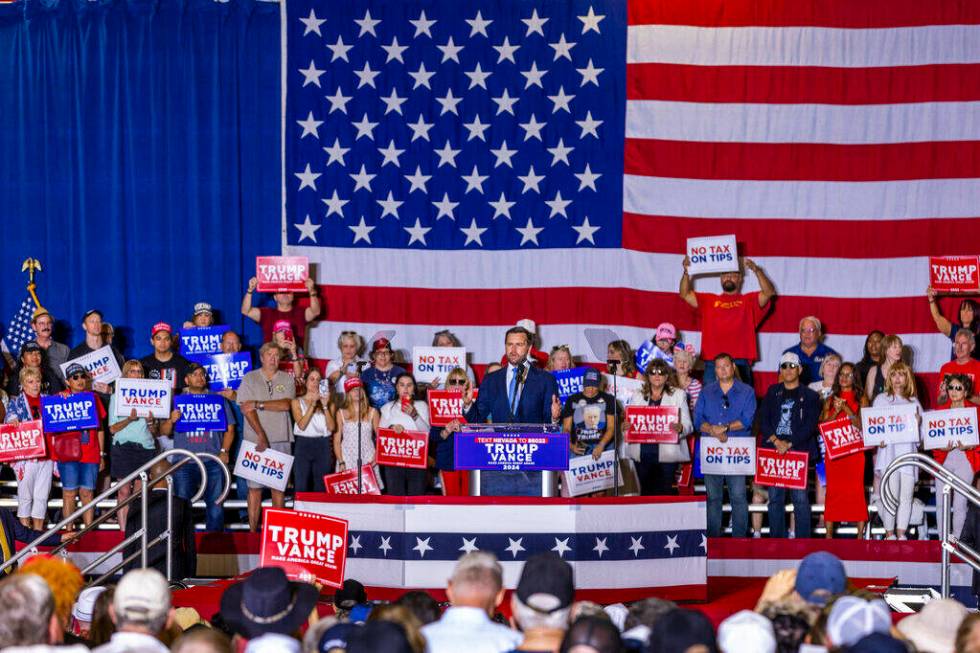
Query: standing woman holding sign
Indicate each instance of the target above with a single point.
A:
(656, 464)
(355, 417)
(454, 483)
(134, 442)
(313, 429)
(79, 464)
(899, 390)
(403, 413)
(33, 476)
(961, 460)
(845, 501)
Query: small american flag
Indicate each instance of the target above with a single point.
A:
(19, 329)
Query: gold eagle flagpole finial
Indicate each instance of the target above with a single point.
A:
(30, 266)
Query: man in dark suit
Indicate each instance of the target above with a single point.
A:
(518, 393)
(11, 531)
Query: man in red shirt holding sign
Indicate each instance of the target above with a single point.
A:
(286, 309)
(729, 320)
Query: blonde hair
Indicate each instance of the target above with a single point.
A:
(353, 335)
(550, 366)
(901, 368)
(130, 364)
(457, 372)
(26, 372)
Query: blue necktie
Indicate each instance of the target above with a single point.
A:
(512, 390)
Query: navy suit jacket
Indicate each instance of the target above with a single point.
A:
(534, 406)
(13, 531)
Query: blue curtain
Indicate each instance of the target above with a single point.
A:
(139, 156)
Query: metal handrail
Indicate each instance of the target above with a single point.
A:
(949, 543)
(143, 494)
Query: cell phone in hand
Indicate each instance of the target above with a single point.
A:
(324, 387)
(406, 402)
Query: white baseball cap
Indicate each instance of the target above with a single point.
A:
(142, 595)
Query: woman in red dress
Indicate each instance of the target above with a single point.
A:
(846, 501)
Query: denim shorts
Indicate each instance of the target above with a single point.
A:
(78, 475)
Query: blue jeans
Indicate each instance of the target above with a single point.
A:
(187, 480)
(743, 366)
(777, 512)
(715, 485)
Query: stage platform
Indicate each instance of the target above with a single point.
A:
(622, 549)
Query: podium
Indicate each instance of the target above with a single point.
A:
(521, 460)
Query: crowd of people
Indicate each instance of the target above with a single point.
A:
(43, 607)
(328, 415)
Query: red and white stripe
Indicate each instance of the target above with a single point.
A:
(839, 141)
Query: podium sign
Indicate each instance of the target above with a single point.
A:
(511, 447)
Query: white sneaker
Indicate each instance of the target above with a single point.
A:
(902, 537)
(792, 535)
(891, 537)
(756, 535)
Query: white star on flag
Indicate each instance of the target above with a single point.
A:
(529, 233)
(307, 229)
(600, 546)
(562, 48)
(558, 205)
(339, 50)
(355, 543)
(310, 126)
(422, 25)
(469, 545)
(534, 24)
(422, 546)
(336, 153)
(417, 232)
(506, 51)
(312, 74)
(590, 74)
(636, 546)
(590, 21)
(501, 207)
(312, 23)
(672, 544)
(362, 232)
(474, 234)
(561, 547)
(385, 545)
(515, 546)
(478, 25)
(335, 205)
(307, 178)
(585, 232)
(587, 178)
(389, 206)
(367, 24)
(445, 207)
(418, 180)
(338, 101)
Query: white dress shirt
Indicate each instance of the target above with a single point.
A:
(469, 630)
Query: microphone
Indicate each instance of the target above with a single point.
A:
(519, 373)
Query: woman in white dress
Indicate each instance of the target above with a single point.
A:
(355, 414)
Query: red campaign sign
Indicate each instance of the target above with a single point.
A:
(282, 273)
(948, 274)
(308, 546)
(446, 405)
(23, 441)
(841, 438)
(651, 424)
(405, 449)
(786, 470)
(346, 482)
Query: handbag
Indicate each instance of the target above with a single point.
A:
(68, 447)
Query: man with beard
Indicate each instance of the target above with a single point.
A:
(729, 320)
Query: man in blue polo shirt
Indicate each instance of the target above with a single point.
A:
(810, 350)
(725, 409)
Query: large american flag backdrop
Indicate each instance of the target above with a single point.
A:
(468, 164)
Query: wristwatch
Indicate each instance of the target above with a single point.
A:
(223, 451)
(261, 405)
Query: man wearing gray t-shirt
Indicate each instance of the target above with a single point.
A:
(264, 397)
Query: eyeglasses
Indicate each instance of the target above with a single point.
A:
(788, 365)
(559, 348)
(724, 402)
(955, 388)
(77, 376)
(808, 330)
(456, 382)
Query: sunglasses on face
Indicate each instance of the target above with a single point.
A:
(658, 373)
(348, 333)
(956, 388)
(76, 377)
(792, 366)
(456, 382)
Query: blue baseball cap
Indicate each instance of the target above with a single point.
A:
(819, 577)
(591, 378)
